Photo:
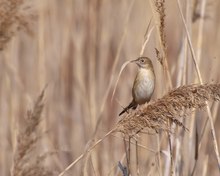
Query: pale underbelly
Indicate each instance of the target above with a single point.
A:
(144, 91)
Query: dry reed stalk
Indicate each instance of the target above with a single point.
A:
(88, 150)
(201, 82)
(160, 8)
(104, 101)
(200, 32)
(25, 161)
(98, 114)
(181, 80)
(146, 38)
(177, 104)
(200, 43)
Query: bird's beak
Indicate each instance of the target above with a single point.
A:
(135, 60)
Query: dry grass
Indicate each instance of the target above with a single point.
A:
(27, 142)
(173, 106)
(13, 17)
(154, 117)
(78, 47)
(160, 8)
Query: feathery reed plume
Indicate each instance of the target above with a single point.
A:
(25, 163)
(12, 19)
(177, 103)
(159, 56)
(160, 7)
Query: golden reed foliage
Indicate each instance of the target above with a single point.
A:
(174, 105)
(27, 141)
(75, 46)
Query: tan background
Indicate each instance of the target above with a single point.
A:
(72, 45)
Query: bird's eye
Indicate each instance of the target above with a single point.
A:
(142, 60)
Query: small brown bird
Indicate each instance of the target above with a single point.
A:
(144, 83)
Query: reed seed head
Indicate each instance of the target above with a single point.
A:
(176, 104)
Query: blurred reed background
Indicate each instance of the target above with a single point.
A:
(77, 47)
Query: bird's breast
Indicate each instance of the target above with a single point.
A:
(143, 87)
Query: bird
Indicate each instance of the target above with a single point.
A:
(144, 83)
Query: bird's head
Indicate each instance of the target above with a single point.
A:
(143, 62)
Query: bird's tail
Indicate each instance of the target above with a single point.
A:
(132, 105)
